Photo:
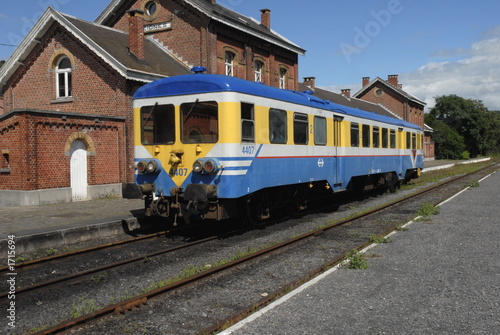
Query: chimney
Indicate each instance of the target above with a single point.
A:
(393, 79)
(213, 1)
(266, 18)
(136, 33)
(310, 81)
(346, 92)
(366, 81)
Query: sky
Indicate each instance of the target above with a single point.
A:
(436, 47)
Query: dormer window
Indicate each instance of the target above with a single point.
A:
(282, 78)
(63, 78)
(229, 61)
(258, 71)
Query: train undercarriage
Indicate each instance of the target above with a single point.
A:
(200, 201)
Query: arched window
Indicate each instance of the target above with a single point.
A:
(229, 61)
(63, 78)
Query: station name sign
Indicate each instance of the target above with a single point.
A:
(150, 28)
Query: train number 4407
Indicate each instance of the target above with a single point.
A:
(248, 149)
(178, 172)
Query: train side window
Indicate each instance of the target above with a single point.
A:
(158, 124)
(277, 126)
(319, 130)
(376, 137)
(408, 140)
(354, 135)
(414, 141)
(393, 138)
(300, 129)
(199, 122)
(385, 138)
(366, 136)
(247, 122)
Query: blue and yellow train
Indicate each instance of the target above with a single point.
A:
(216, 147)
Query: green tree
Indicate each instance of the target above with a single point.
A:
(469, 118)
(448, 143)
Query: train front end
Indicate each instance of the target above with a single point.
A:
(177, 124)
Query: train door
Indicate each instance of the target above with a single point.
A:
(401, 145)
(337, 142)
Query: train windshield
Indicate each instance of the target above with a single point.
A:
(199, 122)
(158, 124)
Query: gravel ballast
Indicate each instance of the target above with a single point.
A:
(440, 277)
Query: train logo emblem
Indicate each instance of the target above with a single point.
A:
(321, 162)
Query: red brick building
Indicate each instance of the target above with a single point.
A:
(390, 94)
(66, 127)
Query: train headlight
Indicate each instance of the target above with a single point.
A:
(152, 167)
(198, 166)
(210, 166)
(141, 167)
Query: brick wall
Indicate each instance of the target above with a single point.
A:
(36, 143)
(188, 31)
(395, 103)
(198, 41)
(39, 157)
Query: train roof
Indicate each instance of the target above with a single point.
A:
(211, 83)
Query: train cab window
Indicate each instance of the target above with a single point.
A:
(376, 137)
(408, 140)
(300, 128)
(385, 138)
(277, 126)
(414, 141)
(247, 123)
(319, 130)
(158, 124)
(354, 135)
(366, 136)
(393, 138)
(199, 122)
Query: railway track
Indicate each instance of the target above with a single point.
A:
(304, 239)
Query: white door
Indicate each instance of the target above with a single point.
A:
(78, 170)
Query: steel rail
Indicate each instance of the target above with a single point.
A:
(226, 323)
(106, 267)
(139, 300)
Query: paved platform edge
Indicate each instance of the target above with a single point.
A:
(247, 321)
(66, 237)
(446, 166)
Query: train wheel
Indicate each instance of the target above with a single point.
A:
(392, 182)
(256, 212)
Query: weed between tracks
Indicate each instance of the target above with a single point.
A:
(355, 260)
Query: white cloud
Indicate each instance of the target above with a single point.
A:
(476, 76)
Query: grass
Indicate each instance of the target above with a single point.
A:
(356, 260)
(85, 306)
(379, 239)
(427, 209)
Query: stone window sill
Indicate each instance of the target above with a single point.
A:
(62, 100)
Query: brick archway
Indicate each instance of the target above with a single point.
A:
(85, 138)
